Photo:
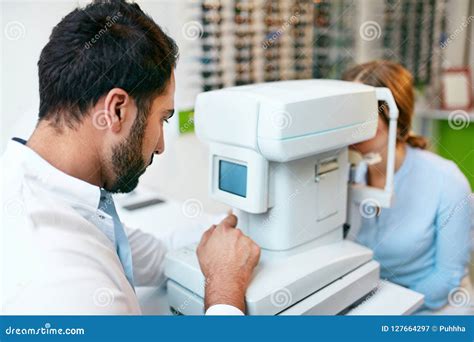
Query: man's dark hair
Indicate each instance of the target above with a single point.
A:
(108, 44)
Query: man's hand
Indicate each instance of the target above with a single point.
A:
(227, 258)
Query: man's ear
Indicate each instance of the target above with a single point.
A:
(116, 103)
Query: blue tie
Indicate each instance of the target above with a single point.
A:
(122, 246)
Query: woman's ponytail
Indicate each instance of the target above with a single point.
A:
(417, 141)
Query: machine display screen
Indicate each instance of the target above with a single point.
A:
(233, 178)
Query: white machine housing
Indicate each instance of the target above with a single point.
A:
(292, 137)
(279, 154)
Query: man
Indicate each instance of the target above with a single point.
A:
(106, 88)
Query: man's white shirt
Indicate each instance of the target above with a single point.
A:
(58, 255)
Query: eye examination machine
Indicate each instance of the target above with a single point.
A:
(279, 156)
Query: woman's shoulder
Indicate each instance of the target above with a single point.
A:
(445, 171)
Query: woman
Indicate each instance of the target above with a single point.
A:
(422, 241)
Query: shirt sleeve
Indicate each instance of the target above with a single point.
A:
(452, 242)
(148, 255)
(148, 251)
(223, 310)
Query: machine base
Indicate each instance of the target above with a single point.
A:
(329, 300)
(281, 279)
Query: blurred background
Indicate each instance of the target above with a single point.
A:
(232, 42)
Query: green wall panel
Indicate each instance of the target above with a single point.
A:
(456, 145)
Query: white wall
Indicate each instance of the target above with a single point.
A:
(24, 33)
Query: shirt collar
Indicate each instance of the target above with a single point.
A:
(75, 190)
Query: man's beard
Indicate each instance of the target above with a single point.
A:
(127, 160)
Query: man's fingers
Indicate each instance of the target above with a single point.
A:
(207, 234)
(257, 251)
(230, 220)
